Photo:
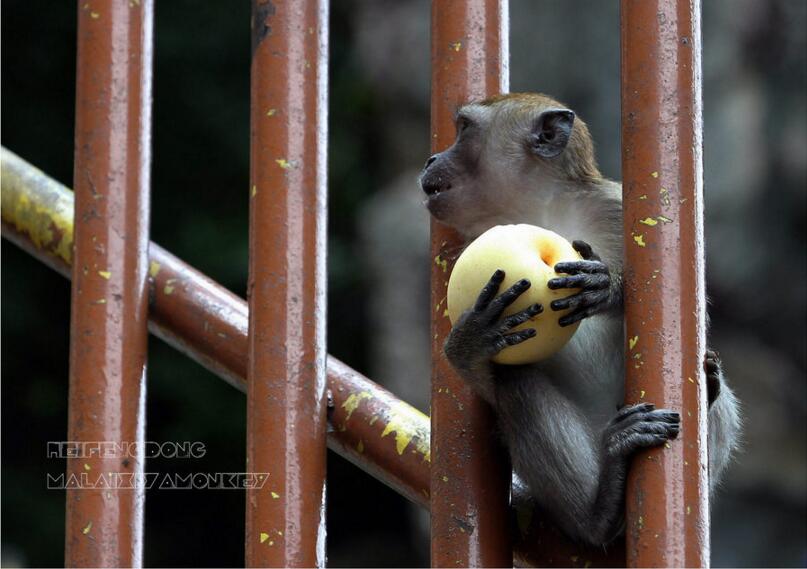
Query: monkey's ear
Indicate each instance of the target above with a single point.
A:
(551, 132)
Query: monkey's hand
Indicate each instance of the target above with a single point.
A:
(592, 276)
(714, 375)
(481, 332)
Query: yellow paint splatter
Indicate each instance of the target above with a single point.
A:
(445, 312)
(663, 219)
(105, 274)
(95, 15)
(440, 262)
(689, 510)
(264, 536)
(408, 423)
(643, 197)
(632, 342)
(86, 529)
(352, 402)
(642, 393)
(283, 163)
(360, 446)
(639, 240)
(641, 522)
(87, 467)
(271, 112)
(154, 268)
(275, 495)
(667, 445)
(100, 301)
(649, 221)
(665, 196)
(456, 46)
(169, 286)
(654, 174)
(691, 380)
(445, 478)
(253, 191)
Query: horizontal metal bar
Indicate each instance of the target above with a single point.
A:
(368, 425)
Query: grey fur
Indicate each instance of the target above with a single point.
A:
(559, 419)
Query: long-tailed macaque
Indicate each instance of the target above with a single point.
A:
(525, 158)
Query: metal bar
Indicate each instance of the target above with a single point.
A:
(667, 497)
(286, 404)
(471, 472)
(369, 426)
(108, 330)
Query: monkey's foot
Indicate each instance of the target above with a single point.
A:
(714, 374)
(592, 276)
(640, 426)
(482, 331)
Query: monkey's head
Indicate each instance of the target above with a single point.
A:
(512, 152)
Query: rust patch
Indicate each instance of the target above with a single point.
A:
(262, 11)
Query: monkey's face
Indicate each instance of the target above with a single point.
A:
(507, 151)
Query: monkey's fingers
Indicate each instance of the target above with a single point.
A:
(520, 336)
(507, 298)
(585, 250)
(588, 281)
(577, 267)
(583, 299)
(520, 317)
(489, 291)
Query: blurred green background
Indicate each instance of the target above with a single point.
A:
(755, 174)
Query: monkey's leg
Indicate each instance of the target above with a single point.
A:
(599, 291)
(481, 333)
(724, 418)
(575, 474)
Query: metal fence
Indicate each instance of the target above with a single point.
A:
(274, 350)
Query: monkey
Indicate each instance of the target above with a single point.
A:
(527, 158)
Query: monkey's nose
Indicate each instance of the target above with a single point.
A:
(430, 161)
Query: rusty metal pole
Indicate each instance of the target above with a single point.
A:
(108, 330)
(668, 494)
(286, 405)
(470, 476)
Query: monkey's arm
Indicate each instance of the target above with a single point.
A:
(481, 333)
(601, 291)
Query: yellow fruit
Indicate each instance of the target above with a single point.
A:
(522, 252)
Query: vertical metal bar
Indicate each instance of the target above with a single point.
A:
(667, 501)
(108, 330)
(286, 406)
(470, 477)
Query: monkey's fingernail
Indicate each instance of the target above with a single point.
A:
(498, 274)
(523, 283)
(555, 305)
(530, 332)
(536, 308)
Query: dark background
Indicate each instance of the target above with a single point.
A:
(755, 176)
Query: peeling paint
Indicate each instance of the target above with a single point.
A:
(352, 403)
(407, 424)
(649, 221)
